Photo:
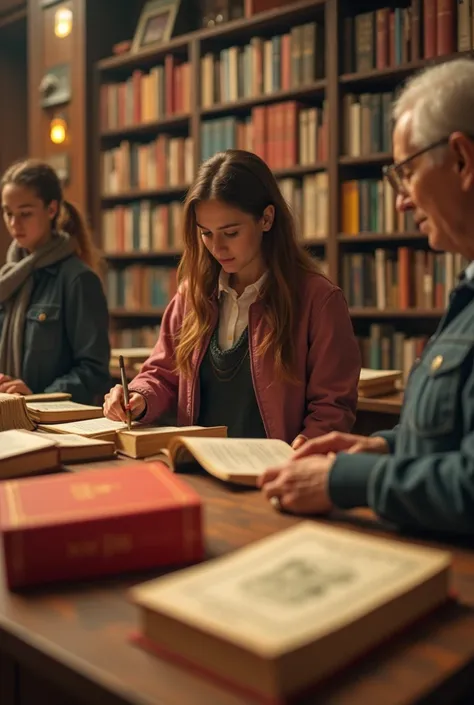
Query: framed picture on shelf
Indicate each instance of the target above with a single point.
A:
(156, 24)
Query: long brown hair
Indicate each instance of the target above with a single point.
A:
(43, 180)
(242, 180)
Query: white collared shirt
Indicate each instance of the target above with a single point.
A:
(234, 309)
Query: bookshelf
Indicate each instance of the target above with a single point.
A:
(236, 86)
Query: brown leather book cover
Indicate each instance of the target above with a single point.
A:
(107, 521)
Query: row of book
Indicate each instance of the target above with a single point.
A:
(143, 226)
(403, 278)
(309, 203)
(263, 66)
(137, 287)
(164, 161)
(368, 205)
(284, 134)
(386, 348)
(140, 337)
(366, 123)
(147, 96)
(393, 36)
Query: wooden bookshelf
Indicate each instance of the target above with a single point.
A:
(333, 89)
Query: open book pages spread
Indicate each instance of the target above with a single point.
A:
(24, 452)
(62, 411)
(325, 593)
(144, 441)
(237, 460)
(92, 428)
(13, 413)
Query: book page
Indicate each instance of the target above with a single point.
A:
(239, 456)
(89, 427)
(151, 430)
(68, 440)
(59, 406)
(19, 442)
(367, 374)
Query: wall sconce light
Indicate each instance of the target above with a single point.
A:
(63, 22)
(58, 130)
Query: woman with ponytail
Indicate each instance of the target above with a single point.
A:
(53, 310)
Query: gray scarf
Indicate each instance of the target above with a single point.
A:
(16, 286)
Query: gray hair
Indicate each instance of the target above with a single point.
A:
(441, 99)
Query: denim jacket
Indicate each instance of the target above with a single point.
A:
(66, 344)
(427, 481)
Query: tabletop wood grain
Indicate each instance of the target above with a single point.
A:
(77, 636)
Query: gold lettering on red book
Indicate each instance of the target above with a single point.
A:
(85, 490)
(116, 544)
(83, 549)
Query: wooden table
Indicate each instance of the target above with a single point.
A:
(68, 645)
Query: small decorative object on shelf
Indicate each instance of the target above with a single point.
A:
(215, 12)
(160, 20)
(122, 47)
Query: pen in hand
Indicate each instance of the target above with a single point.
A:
(126, 398)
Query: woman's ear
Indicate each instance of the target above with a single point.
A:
(53, 208)
(268, 218)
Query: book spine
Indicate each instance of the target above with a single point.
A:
(105, 546)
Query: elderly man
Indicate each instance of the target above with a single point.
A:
(421, 473)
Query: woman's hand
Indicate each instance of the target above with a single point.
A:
(114, 407)
(299, 441)
(10, 385)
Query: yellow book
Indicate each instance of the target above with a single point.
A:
(143, 441)
(286, 612)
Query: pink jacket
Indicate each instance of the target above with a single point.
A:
(327, 362)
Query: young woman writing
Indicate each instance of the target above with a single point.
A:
(53, 311)
(255, 339)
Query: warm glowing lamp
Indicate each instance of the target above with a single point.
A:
(62, 22)
(57, 130)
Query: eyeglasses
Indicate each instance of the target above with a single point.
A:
(394, 172)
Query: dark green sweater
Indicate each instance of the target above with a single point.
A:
(227, 393)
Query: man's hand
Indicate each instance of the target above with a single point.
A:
(299, 486)
(336, 442)
(8, 385)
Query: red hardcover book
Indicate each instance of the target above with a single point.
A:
(103, 522)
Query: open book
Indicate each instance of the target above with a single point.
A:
(143, 441)
(77, 449)
(23, 453)
(61, 411)
(277, 617)
(101, 428)
(237, 460)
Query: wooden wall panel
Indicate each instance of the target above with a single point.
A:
(13, 119)
(55, 49)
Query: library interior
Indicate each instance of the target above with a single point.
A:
(236, 281)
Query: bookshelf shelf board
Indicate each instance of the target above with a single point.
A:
(396, 73)
(142, 255)
(299, 170)
(367, 312)
(377, 158)
(245, 104)
(263, 23)
(380, 237)
(173, 122)
(140, 194)
(143, 313)
(147, 57)
(12, 17)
